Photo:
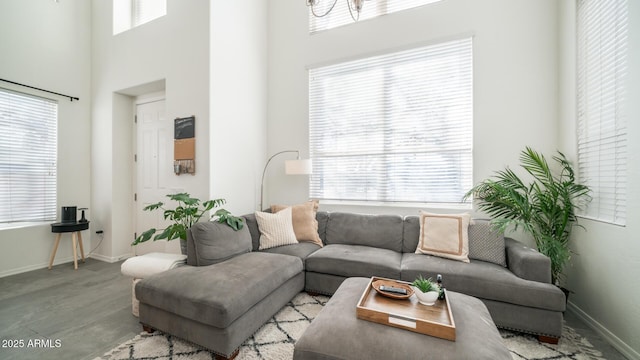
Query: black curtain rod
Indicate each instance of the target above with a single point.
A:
(35, 88)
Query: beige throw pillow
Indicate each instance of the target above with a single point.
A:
(305, 225)
(444, 235)
(275, 229)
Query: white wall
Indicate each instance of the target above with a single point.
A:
(46, 44)
(515, 71)
(173, 49)
(238, 101)
(606, 264)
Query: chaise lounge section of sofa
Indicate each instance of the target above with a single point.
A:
(223, 295)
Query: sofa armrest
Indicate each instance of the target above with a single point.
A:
(527, 263)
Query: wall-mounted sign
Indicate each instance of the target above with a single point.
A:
(184, 146)
(185, 128)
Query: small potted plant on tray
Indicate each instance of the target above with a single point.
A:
(426, 290)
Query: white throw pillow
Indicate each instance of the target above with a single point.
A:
(275, 229)
(303, 216)
(444, 235)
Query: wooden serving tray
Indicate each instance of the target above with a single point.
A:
(407, 314)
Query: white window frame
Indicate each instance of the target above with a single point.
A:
(28, 158)
(394, 129)
(602, 73)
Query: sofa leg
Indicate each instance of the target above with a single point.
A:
(148, 329)
(231, 357)
(548, 339)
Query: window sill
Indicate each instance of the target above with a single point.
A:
(381, 204)
(25, 224)
(606, 222)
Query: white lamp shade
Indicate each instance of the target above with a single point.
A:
(298, 167)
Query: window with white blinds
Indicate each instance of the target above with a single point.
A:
(28, 156)
(128, 14)
(144, 11)
(340, 15)
(602, 70)
(394, 128)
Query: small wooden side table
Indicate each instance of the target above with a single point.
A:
(74, 228)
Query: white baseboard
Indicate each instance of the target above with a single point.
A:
(111, 259)
(38, 266)
(610, 337)
(59, 261)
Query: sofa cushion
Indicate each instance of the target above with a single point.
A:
(301, 250)
(213, 242)
(251, 223)
(303, 216)
(218, 294)
(323, 220)
(380, 231)
(410, 234)
(275, 229)
(484, 280)
(444, 235)
(355, 260)
(486, 244)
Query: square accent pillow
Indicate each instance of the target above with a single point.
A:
(486, 244)
(305, 225)
(444, 235)
(275, 229)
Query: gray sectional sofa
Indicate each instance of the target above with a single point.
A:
(231, 288)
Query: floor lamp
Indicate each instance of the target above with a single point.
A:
(291, 167)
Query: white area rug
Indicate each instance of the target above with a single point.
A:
(275, 340)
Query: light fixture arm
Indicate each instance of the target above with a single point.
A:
(264, 171)
(312, 3)
(353, 5)
(357, 6)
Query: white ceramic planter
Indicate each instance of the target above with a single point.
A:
(428, 298)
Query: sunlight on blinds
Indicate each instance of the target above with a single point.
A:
(394, 128)
(28, 155)
(602, 47)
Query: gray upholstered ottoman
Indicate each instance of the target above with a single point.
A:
(336, 333)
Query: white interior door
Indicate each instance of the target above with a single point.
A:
(154, 165)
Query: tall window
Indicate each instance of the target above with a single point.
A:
(128, 14)
(394, 128)
(602, 65)
(28, 153)
(340, 15)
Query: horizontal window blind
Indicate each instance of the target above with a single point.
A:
(602, 70)
(394, 128)
(340, 15)
(28, 154)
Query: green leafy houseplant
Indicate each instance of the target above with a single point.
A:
(544, 208)
(425, 285)
(188, 212)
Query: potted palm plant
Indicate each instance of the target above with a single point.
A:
(188, 212)
(545, 208)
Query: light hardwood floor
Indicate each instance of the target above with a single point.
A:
(84, 313)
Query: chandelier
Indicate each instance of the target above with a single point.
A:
(355, 6)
